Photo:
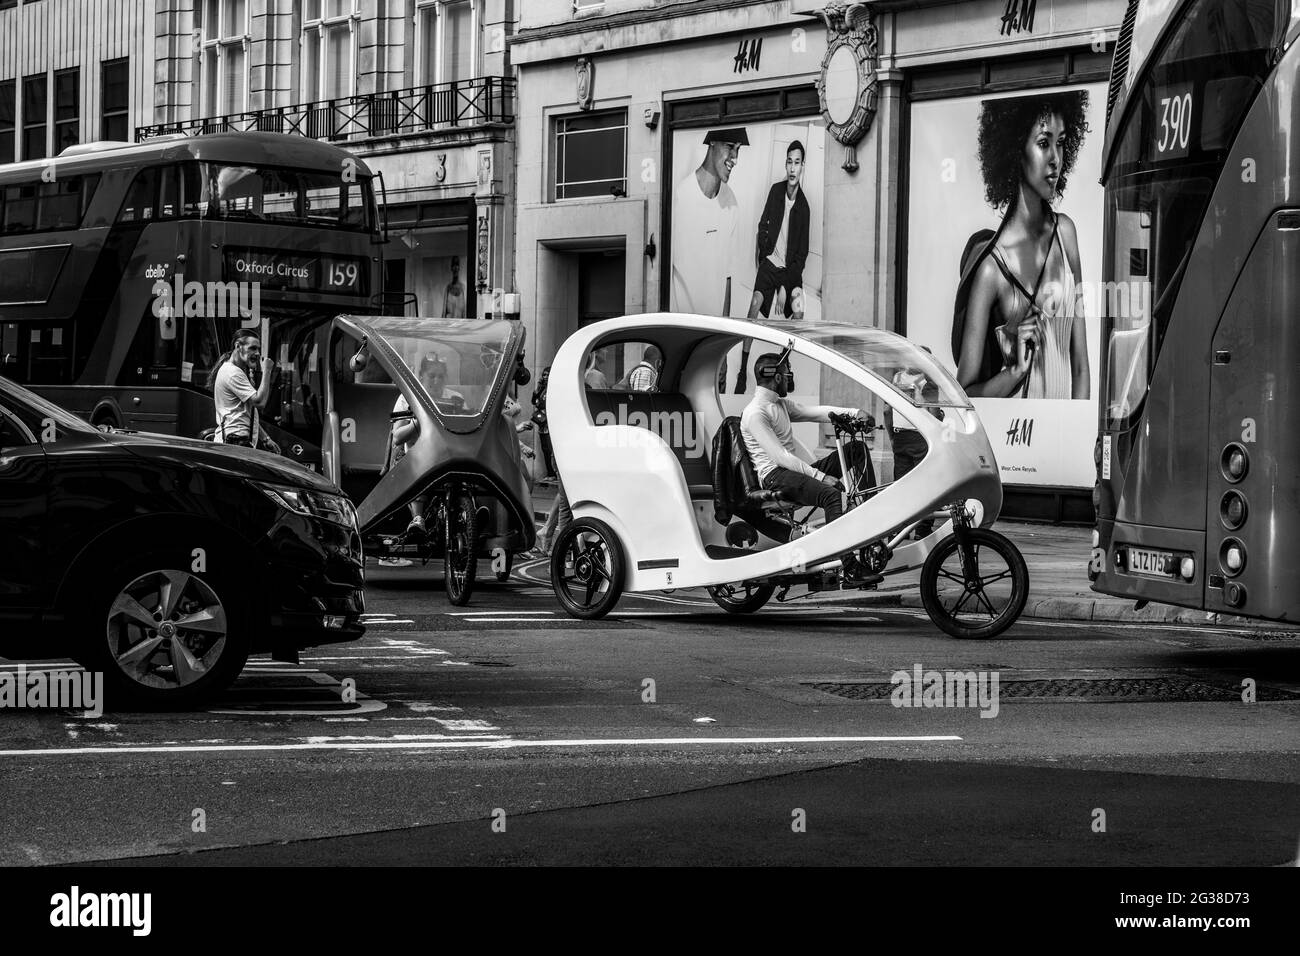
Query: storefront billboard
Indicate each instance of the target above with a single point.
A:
(747, 208)
(980, 168)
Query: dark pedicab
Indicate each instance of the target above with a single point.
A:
(451, 379)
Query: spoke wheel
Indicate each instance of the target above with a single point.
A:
(504, 575)
(460, 548)
(742, 598)
(983, 603)
(587, 569)
(162, 636)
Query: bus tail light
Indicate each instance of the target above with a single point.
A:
(1232, 509)
(1234, 462)
(1187, 568)
(1235, 594)
(1232, 556)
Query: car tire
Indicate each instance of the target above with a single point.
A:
(164, 636)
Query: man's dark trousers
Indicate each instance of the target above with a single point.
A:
(809, 491)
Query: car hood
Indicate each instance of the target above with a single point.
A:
(232, 459)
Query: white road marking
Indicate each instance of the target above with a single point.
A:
(421, 707)
(473, 743)
(465, 726)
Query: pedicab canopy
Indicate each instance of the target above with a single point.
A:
(462, 366)
(899, 364)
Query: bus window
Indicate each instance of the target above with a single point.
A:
(141, 197)
(296, 197)
(63, 202)
(20, 207)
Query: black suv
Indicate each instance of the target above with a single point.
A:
(164, 562)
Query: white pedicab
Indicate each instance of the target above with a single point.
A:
(664, 494)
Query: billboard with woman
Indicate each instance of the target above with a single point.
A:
(1004, 252)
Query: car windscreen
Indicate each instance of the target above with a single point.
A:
(36, 413)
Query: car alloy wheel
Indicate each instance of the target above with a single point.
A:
(167, 629)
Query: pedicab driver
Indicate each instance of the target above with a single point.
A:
(406, 427)
(783, 464)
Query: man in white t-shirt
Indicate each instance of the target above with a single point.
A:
(234, 398)
(705, 214)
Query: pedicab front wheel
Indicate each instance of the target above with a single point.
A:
(741, 598)
(975, 589)
(460, 548)
(587, 569)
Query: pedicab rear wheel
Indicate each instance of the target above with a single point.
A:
(460, 547)
(983, 600)
(743, 598)
(587, 568)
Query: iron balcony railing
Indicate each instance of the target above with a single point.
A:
(421, 109)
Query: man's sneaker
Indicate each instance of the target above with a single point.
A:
(394, 563)
(416, 526)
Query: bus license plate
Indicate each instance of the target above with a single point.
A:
(1158, 564)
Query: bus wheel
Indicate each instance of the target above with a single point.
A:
(587, 569)
(460, 548)
(977, 592)
(741, 598)
(105, 422)
(163, 636)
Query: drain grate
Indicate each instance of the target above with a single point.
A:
(1168, 688)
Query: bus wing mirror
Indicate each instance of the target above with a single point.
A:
(383, 207)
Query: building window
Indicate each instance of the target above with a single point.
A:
(115, 104)
(591, 154)
(329, 47)
(35, 113)
(585, 6)
(67, 109)
(446, 46)
(8, 104)
(224, 57)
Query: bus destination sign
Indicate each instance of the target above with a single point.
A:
(334, 275)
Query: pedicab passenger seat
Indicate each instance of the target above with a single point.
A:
(736, 488)
(668, 414)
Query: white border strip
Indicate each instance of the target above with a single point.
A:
(494, 743)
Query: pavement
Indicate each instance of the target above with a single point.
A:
(1057, 556)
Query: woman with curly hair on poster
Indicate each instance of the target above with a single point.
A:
(1018, 326)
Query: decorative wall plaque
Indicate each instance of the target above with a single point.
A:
(847, 85)
(586, 77)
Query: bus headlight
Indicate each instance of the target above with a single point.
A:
(1234, 462)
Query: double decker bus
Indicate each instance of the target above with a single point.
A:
(1198, 458)
(125, 270)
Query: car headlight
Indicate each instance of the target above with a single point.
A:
(318, 504)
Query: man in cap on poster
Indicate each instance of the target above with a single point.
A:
(705, 221)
